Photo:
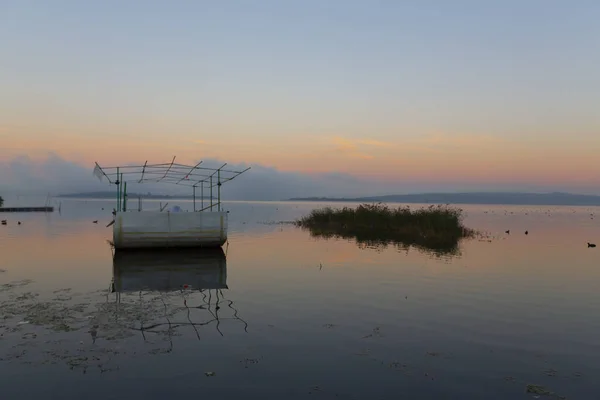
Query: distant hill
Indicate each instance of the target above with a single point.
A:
(507, 198)
(113, 195)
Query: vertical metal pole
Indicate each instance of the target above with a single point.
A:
(211, 195)
(219, 189)
(124, 196)
(194, 188)
(118, 191)
(121, 195)
(140, 203)
(202, 195)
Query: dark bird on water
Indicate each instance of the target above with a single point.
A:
(19, 223)
(508, 231)
(591, 244)
(95, 222)
(527, 232)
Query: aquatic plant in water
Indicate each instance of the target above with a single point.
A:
(436, 228)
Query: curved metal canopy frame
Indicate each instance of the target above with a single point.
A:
(173, 173)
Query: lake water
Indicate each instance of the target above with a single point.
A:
(282, 315)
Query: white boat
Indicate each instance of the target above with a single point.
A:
(205, 226)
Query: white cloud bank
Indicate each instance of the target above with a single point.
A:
(54, 176)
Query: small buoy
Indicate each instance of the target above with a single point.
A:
(185, 286)
(591, 244)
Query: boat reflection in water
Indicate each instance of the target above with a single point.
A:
(162, 293)
(168, 270)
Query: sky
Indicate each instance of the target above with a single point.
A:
(334, 97)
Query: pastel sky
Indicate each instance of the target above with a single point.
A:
(432, 91)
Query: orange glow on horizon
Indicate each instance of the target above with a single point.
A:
(428, 157)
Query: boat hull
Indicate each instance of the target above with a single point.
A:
(155, 229)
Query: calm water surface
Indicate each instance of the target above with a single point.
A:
(279, 314)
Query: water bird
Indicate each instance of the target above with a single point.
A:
(591, 244)
(4, 222)
(508, 231)
(95, 222)
(527, 232)
(19, 223)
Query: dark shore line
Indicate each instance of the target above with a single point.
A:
(480, 198)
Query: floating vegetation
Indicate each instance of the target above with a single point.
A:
(537, 389)
(435, 229)
(542, 391)
(13, 285)
(277, 223)
(398, 366)
(94, 327)
(376, 333)
(249, 361)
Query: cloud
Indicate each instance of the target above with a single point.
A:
(54, 175)
(450, 141)
(356, 148)
(354, 144)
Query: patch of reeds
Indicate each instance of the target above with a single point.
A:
(435, 228)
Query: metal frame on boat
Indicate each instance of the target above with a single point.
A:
(205, 227)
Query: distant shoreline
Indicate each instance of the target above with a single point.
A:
(471, 198)
(131, 196)
(482, 198)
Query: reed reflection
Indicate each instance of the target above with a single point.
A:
(380, 240)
